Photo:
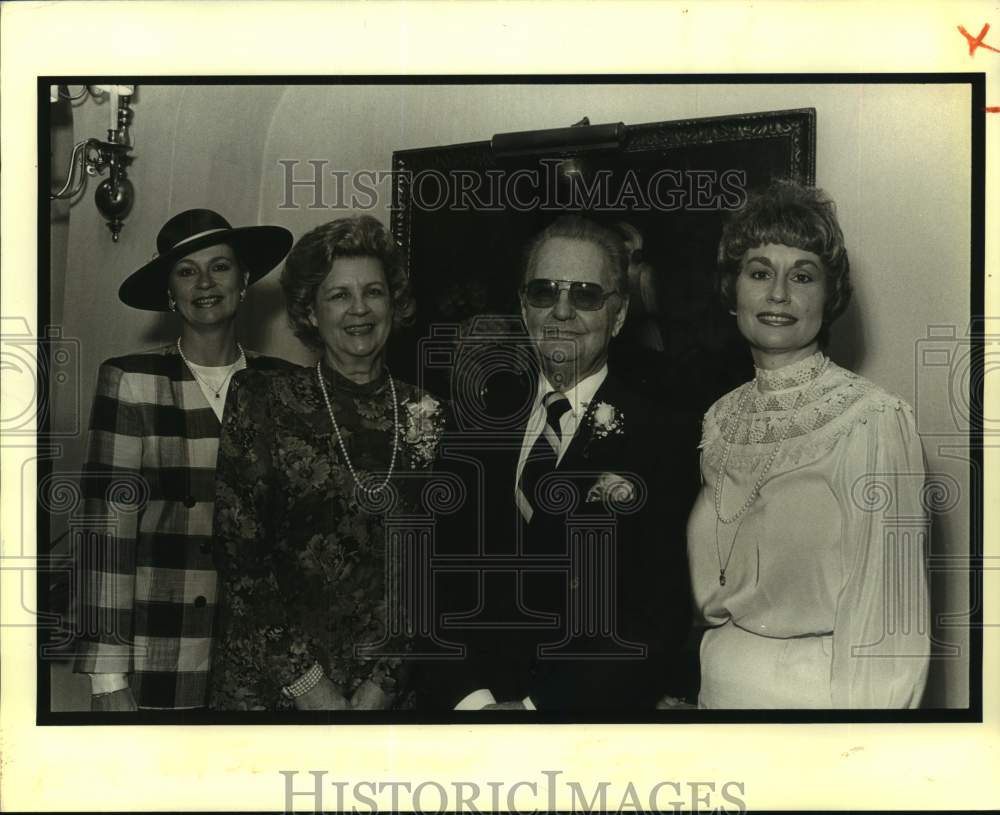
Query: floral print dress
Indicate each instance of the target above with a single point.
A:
(301, 552)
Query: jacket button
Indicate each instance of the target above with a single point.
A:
(189, 501)
(205, 547)
(199, 601)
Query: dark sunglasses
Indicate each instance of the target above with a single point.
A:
(544, 293)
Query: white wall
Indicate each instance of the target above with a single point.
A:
(894, 157)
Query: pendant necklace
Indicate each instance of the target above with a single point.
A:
(800, 400)
(232, 369)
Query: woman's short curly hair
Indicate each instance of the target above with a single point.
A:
(313, 255)
(790, 214)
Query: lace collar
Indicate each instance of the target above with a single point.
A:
(808, 417)
(795, 375)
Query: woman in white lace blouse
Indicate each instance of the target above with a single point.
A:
(806, 540)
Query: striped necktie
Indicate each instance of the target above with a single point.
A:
(544, 454)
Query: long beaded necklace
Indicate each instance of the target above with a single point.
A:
(340, 439)
(800, 400)
(232, 369)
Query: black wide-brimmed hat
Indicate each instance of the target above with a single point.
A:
(259, 249)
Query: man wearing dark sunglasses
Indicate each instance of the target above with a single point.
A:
(585, 479)
(572, 305)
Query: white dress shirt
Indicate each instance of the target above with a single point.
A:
(579, 396)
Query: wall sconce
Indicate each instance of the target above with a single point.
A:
(115, 194)
(572, 144)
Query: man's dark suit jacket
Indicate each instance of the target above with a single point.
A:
(596, 624)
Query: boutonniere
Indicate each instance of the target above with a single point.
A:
(607, 420)
(611, 488)
(424, 426)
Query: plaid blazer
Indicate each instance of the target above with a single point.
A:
(145, 586)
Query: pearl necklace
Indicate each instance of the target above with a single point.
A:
(800, 400)
(340, 439)
(232, 369)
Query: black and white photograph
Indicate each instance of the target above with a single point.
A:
(413, 405)
(588, 417)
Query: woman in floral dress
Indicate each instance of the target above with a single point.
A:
(312, 463)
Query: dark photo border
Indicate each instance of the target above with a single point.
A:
(48, 567)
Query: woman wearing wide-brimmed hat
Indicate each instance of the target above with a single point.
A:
(147, 583)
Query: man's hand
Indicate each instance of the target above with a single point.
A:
(506, 706)
(116, 702)
(323, 696)
(370, 696)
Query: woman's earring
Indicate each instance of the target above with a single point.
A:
(243, 295)
(171, 303)
(732, 311)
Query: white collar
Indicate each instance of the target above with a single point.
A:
(580, 395)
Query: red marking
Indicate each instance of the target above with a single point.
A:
(977, 42)
(995, 109)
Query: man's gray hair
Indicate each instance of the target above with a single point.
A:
(576, 227)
